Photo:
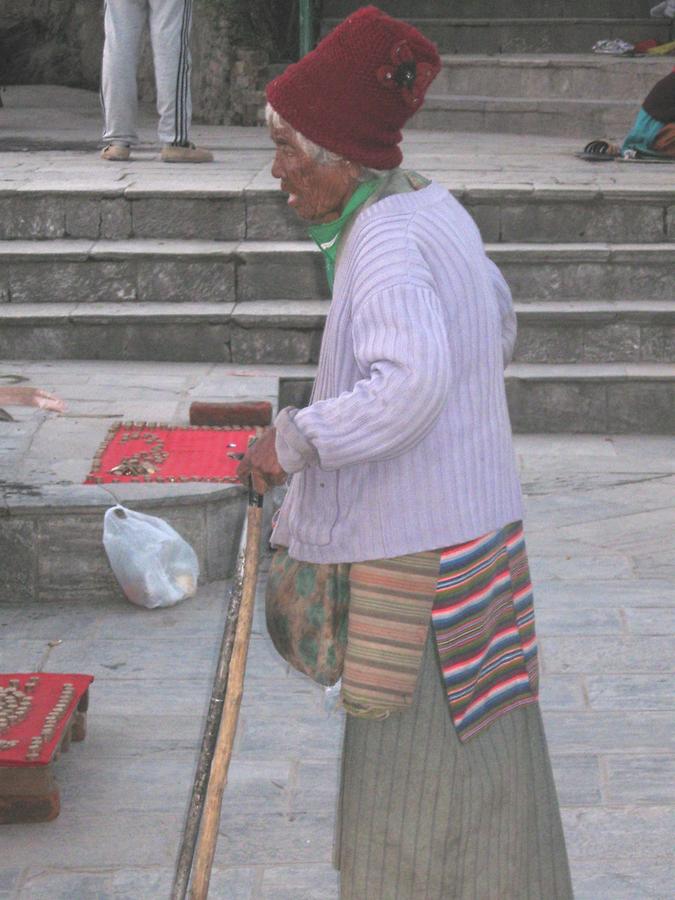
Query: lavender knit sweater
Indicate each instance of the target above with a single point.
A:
(406, 445)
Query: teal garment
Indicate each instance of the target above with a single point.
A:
(643, 134)
(327, 235)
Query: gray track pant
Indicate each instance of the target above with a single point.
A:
(170, 24)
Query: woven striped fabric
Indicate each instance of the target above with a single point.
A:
(483, 619)
(389, 610)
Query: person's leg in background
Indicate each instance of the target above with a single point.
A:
(170, 27)
(124, 23)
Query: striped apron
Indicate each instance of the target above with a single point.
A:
(425, 813)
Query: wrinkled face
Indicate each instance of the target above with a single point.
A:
(317, 193)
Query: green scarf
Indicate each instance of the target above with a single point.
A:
(327, 234)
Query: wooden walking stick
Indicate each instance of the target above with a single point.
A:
(231, 414)
(208, 836)
(210, 735)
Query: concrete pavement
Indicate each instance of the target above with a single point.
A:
(40, 119)
(600, 517)
(600, 524)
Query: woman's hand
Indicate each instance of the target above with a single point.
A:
(30, 396)
(261, 464)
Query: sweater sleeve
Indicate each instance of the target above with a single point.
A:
(506, 312)
(401, 347)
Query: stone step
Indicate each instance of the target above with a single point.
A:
(482, 9)
(637, 398)
(540, 35)
(289, 331)
(222, 272)
(579, 213)
(582, 76)
(515, 115)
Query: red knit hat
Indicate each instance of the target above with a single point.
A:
(356, 90)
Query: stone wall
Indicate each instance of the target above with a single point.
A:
(61, 42)
(51, 42)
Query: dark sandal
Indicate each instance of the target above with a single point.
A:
(599, 151)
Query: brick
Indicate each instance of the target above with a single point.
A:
(147, 660)
(559, 281)
(549, 406)
(600, 731)
(64, 340)
(32, 217)
(19, 564)
(488, 218)
(181, 342)
(265, 276)
(36, 621)
(67, 885)
(622, 878)
(71, 561)
(268, 840)
(577, 779)
(570, 619)
(316, 784)
(316, 882)
(83, 217)
(549, 343)
(9, 879)
(168, 280)
(604, 655)
(569, 36)
(574, 222)
(617, 833)
(641, 779)
(275, 345)
(263, 726)
(558, 692)
(670, 222)
(217, 219)
(650, 621)
(20, 655)
(621, 691)
(640, 408)
(115, 219)
(657, 343)
(102, 840)
(76, 282)
(143, 782)
(268, 216)
(606, 343)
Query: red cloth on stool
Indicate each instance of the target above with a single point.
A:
(45, 696)
(194, 454)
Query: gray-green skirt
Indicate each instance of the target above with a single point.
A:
(422, 816)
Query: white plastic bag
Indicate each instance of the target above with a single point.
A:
(154, 565)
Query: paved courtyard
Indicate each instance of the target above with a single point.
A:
(600, 525)
(601, 533)
(40, 119)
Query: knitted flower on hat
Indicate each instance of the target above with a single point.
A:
(357, 89)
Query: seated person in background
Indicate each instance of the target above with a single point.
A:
(653, 132)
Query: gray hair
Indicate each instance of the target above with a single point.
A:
(319, 154)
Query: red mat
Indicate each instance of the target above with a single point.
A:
(36, 705)
(151, 452)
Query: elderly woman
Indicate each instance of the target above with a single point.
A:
(403, 468)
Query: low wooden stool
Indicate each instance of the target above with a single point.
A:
(40, 714)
